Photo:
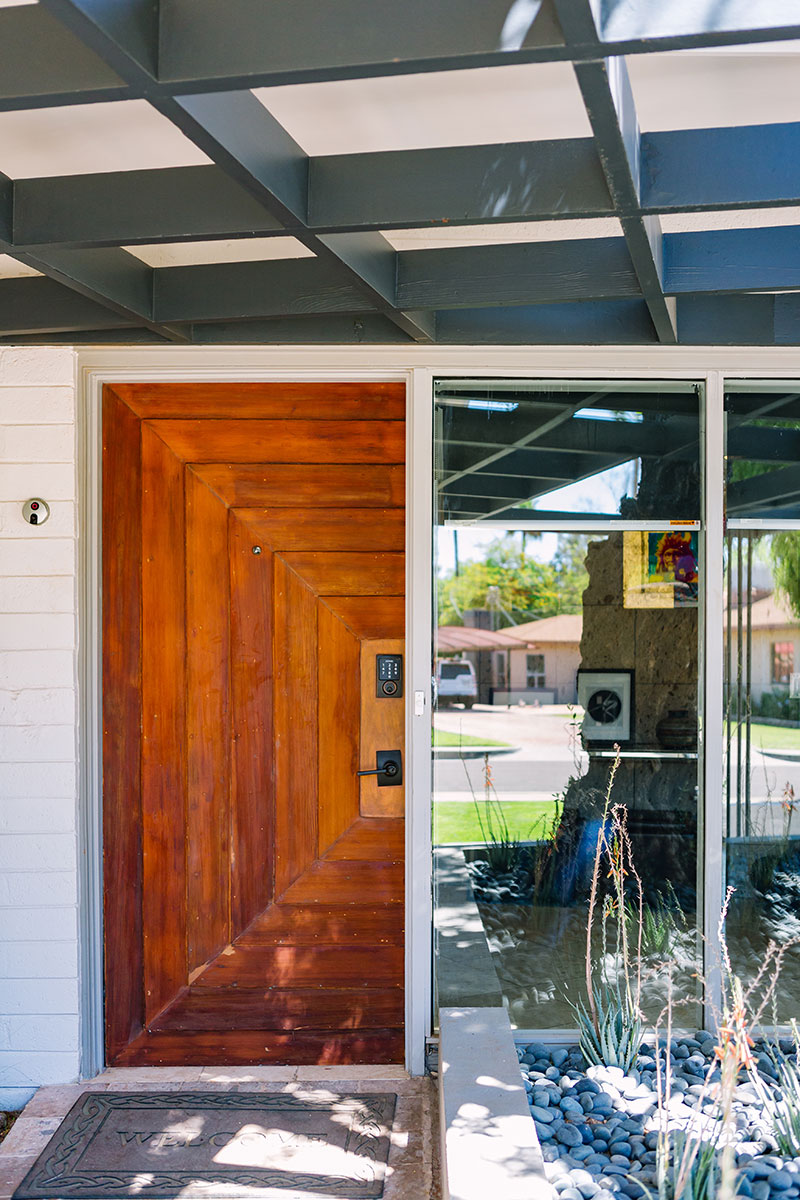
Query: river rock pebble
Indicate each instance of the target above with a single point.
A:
(598, 1127)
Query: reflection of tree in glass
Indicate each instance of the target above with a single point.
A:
(526, 588)
(785, 562)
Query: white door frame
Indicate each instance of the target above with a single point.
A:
(416, 366)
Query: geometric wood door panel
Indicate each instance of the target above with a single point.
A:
(253, 565)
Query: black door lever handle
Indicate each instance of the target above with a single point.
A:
(389, 768)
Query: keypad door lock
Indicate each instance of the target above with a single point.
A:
(389, 768)
(389, 672)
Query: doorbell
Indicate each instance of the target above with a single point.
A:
(35, 511)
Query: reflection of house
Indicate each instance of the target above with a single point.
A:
(537, 660)
(774, 644)
(552, 656)
(488, 650)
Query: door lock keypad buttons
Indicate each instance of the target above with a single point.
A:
(389, 671)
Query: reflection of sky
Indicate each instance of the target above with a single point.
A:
(472, 545)
(601, 493)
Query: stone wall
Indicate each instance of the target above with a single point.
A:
(660, 646)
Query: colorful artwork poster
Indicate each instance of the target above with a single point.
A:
(660, 569)
(672, 560)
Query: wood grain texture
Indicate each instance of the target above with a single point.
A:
(163, 723)
(371, 839)
(208, 767)
(296, 732)
(329, 528)
(252, 769)
(267, 912)
(271, 441)
(295, 1008)
(280, 485)
(348, 882)
(339, 658)
(250, 1047)
(353, 574)
(122, 718)
(307, 966)
(371, 616)
(336, 401)
(383, 721)
(299, 925)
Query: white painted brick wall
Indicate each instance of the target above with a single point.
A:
(39, 1028)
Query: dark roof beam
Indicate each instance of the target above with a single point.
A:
(202, 45)
(109, 277)
(772, 489)
(748, 166)
(540, 272)
(240, 136)
(496, 456)
(42, 64)
(293, 41)
(333, 328)
(683, 24)
(733, 260)
(458, 185)
(246, 291)
(120, 32)
(690, 170)
(125, 207)
(500, 487)
(545, 464)
(36, 305)
(588, 322)
(472, 276)
(243, 138)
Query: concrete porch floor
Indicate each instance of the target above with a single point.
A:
(413, 1167)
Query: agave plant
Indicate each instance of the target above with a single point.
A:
(612, 1034)
(688, 1169)
(781, 1105)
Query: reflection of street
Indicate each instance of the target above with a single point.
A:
(774, 784)
(548, 752)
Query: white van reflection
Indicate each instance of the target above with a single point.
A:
(456, 682)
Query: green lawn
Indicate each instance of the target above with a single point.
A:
(773, 737)
(442, 738)
(457, 820)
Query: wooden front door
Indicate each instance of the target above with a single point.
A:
(253, 541)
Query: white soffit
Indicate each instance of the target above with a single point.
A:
(16, 3)
(705, 89)
(732, 218)
(191, 254)
(11, 269)
(447, 237)
(524, 103)
(80, 139)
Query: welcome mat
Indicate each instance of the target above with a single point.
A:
(215, 1144)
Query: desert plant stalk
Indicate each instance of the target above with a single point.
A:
(697, 1163)
(610, 1023)
(742, 1013)
(502, 850)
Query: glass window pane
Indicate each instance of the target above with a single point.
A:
(762, 752)
(567, 449)
(763, 450)
(565, 643)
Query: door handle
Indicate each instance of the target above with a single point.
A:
(389, 768)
